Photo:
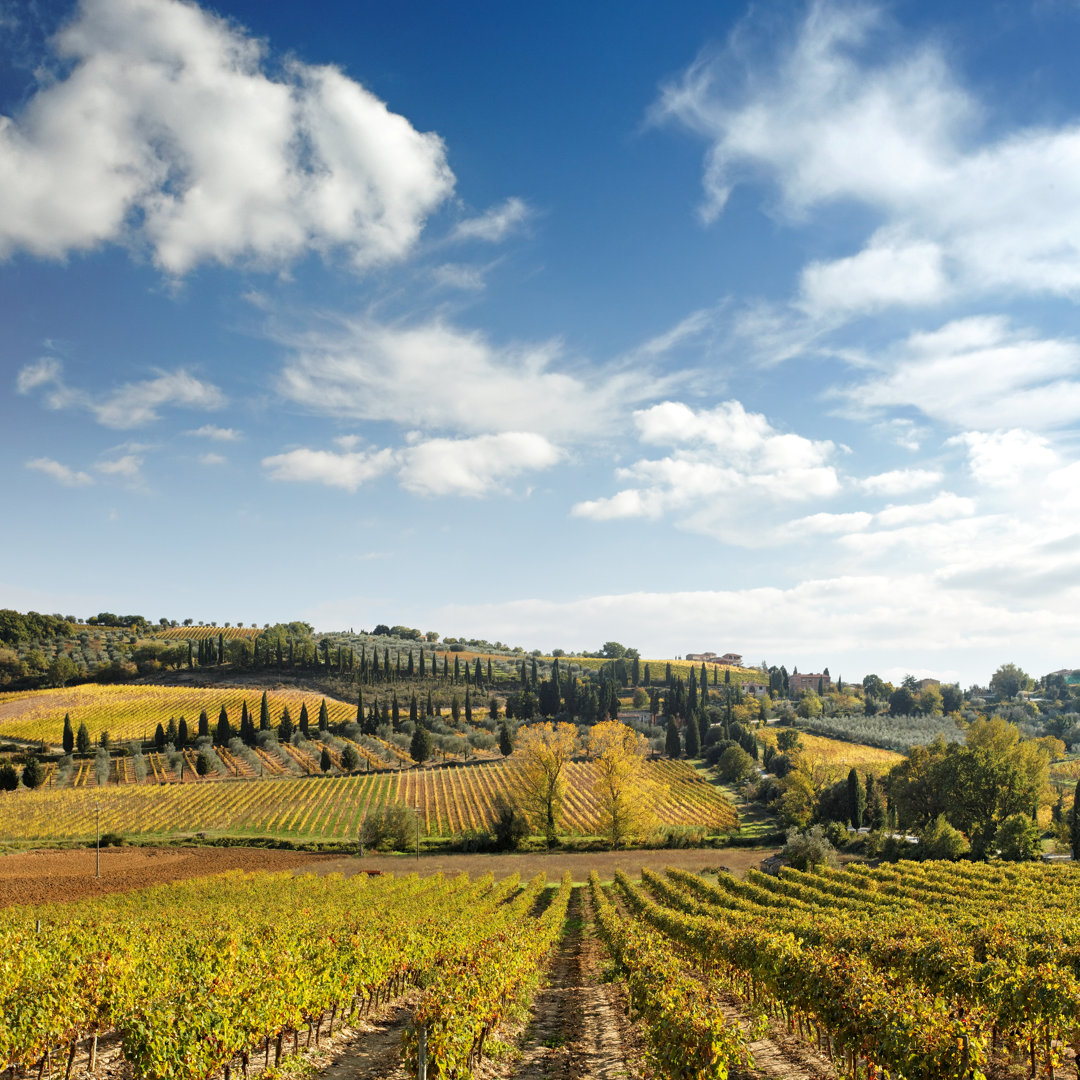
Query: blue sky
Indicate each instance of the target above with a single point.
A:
(697, 327)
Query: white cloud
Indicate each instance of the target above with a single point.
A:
(842, 112)
(1005, 459)
(460, 276)
(900, 481)
(346, 470)
(495, 224)
(436, 376)
(166, 129)
(471, 467)
(942, 507)
(131, 405)
(476, 466)
(127, 466)
(218, 434)
(903, 432)
(885, 273)
(978, 373)
(727, 467)
(63, 474)
(211, 459)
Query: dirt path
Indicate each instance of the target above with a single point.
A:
(778, 1055)
(374, 1053)
(579, 1028)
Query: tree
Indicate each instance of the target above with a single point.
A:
(622, 788)
(1009, 680)
(224, 729)
(506, 740)
(264, 714)
(787, 740)
(692, 737)
(1018, 839)
(510, 825)
(33, 774)
(672, 745)
(159, 737)
(324, 716)
(326, 762)
(202, 763)
(856, 799)
(420, 747)
(939, 840)
(305, 724)
(285, 728)
(181, 734)
(204, 725)
(544, 750)
(69, 735)
(875, 804)
(735, 765)
(82, 739)
(350, 759)
(9, 778)
(493, 708)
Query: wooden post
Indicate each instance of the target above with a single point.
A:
(421, 1064)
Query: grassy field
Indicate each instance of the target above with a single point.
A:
(450, 801)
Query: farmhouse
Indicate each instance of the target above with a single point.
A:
(808, 682)
(729, 659)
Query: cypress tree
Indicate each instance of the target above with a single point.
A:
(691, 701)
(693, 738)
(409, 670)
(325, 761)
(727, 675)
(429, 709)
(304, 721)
(672, 744)
(245, 720)
(468, 706)
(385, 717)
(159, 737)
(493, 708)
(455, 709)
(704, 676)
(395, 713)
(506, 741)
(224, 730)
(445, 667)
(221, 648)
(457, 669)
(667, 675)
(420, 746)
(422, 672)
(171, 732)
(204, 725)
(360, 707)
(324, 716)
(386, 663)
(856, 799)
(264, 714)
(478, 674)
(182, 733)
(397, 664)
(190, 658)
(285, 728)
(491, 681)
(414, 714)
(69, 735)
(875, 804)
(535, 674)
(702, 724)
(82, 739)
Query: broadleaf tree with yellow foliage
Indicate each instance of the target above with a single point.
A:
(625, 794)
(542, 752)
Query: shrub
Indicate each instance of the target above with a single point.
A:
(510, 826)
(809, 849)
(1018, 839)
(350, 758)
(939, 840)
(387, 827)
(203, 764)
(735, 764)
(33, 775)
(9, 777)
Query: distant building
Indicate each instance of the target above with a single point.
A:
(729, 659)
(797, 683)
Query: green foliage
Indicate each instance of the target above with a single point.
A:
(9, 777)
(809, 849)
(203, 764)
(69, 735)
(33, 774)
(350, 759)
(939, 840)
(1018, 839)
(510, 826)
(506, 739)
(388, 827)
(420, 746)
(82, 739)
(326, 763)
(672, 743)
(787, 740)
(735, 765)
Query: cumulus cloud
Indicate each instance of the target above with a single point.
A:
(900, 481)
(476, 466)
(134, 404)
(725, 465)
(166, 129)
(1004, 459)
(127, 466)
(842, 110)
(433, 375)
(218, 434)
(61, 473)
(473, 467)
(979, 372)
(495, 224)
(348, 470)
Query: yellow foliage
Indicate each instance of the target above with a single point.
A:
(623, 791)
(542, 752)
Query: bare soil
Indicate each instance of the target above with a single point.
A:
(43, 877)
(554, 864)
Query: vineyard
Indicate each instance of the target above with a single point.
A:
(195, 977)
(927, 971)
(450, 801)
(837, 756)
(199, 633)
(132, 712)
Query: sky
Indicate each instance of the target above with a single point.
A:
(697, 327)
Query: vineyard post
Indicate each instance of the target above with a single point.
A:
(421, 1064)
(97, 851)
(416, 811)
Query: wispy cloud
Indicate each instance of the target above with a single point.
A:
(496, 223)
(62, 474)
